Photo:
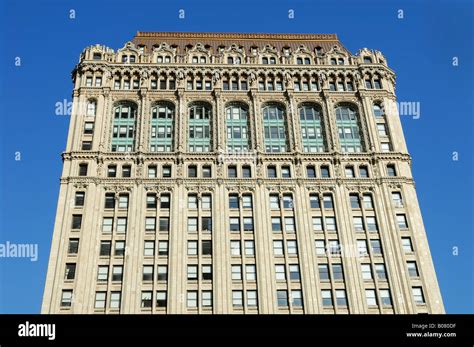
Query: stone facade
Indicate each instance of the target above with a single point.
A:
(237, 173)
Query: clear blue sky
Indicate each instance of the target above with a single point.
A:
(419, 48)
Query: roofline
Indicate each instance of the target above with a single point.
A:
(237, 36)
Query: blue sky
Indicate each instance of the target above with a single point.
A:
(419, 48)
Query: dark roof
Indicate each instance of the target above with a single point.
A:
(247, 40)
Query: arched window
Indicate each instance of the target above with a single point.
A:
(274, 128)
(200, 131)
(378, 111)
(311, 128)
(161, 135)
(230, 60)
(237, 127)
(123, 129)
(350, 137)
(91, 107)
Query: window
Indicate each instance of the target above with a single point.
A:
(117, 273)
(368, 203)
(251, 298)
(149, 248)
(314, 201)
(391, 171)
(381, 272)
(285, 172)
(70, 272)
(83, 169)
(234, 224)
(317, 224)
(161, 299)
(412, 269)
(206, 224)
(232, 172)
(371, 223)
(206, 201)
(362, 247)
(385, 297)
(147, 273)
(152, 171)
(111, 171)
(206, 171)
(235, 248)
(325, 172)
(348, 128)
(73, 246)
(249, 248)
(236, 272)
(296, 298)
(165, 201)
(115, 299)
(367, 60)
(385, 147)
(246, 172)
(282, 298)
(76, 221)
(162, 273)
(126, 171)
(320, 247)
(376, 247)
(366, 271)
(191, 299)
(370, 297)
(355, 201)
(102, 273)
(397, 199)
(327, 201)
(206, 298)
(294, 272)
(326, 296)
(323, 272)
(192, 247)
(402, 221)
(109, 200)
(66, 298)
(276, 224)
(121, 225)
(119, 248)
(166, 171)
(164, 224)
(363, 172)
(151, 200)
(163, 248)
(271, 172)
(289, 224)
(287, 201)
(91, 108)
(199, 138)
(192, 272)
(278, 247)
(146, 299)
(350, 172)
(378, 112)
(86, 145)
(88, 128)
(280, 274)
(382, 130)
(123, 201)
(291, 247)
(247, 201)
(341, 299)
(192, 171)
(150, 224)
(233, 201)
(407, 245)
(237, 298)
(311, 171)
(207, 272)
(79, 199)
(274, 202)
(337, 272)
(105, 247)
(418, 295)
(206, 247)
(274, 128)
(331, 224)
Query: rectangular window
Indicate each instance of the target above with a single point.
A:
(206, 201)
(314, 201)
(247, 201)
(232, 172)
(278, 247)
(362, 248)
(381, 272)
(276, 224)
(164, 224)
(236, 272)
(280, 274)
(206, 247)
(162, 273)
(166, 171)
(282, 298)
(123, 201)
(249, 248)
(70, 272)
(233, 201)
(192, 171)
(235, 248)
(192, 272)
(331, 224)
(320, 247)
(355, 201)
(237, 298)
(147, 274)
(105, 247)
(251, 298)
(310, 172)
(234, 224)
(163, 248)
(337, 272)
(271, 172)
(327, 202)
(149, 248)
(289, 224)
(407, 245)
(358, 223)
(119, 248)
(323, 272)
(73, 246)
(326, 296)
(370, 297)
(397, 199)
(402, 221)
(206, 298)
(274, 202)
(366, 271)
(250, 272)
(150, 224)
(191, 299)
(79, 199)
(76, 221)
(418, 295)
(341, 299)
(161, 299)
(412, 269)
(115, 299)
(146, 299)
(192, 247)
(296, 298)
(325, 172)
(207, 272)
(385, 297)
(294, 272)
(292, 248)
(121, 225)
(117, 273)
(100, 300)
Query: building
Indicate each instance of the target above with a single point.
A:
(237, 173)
